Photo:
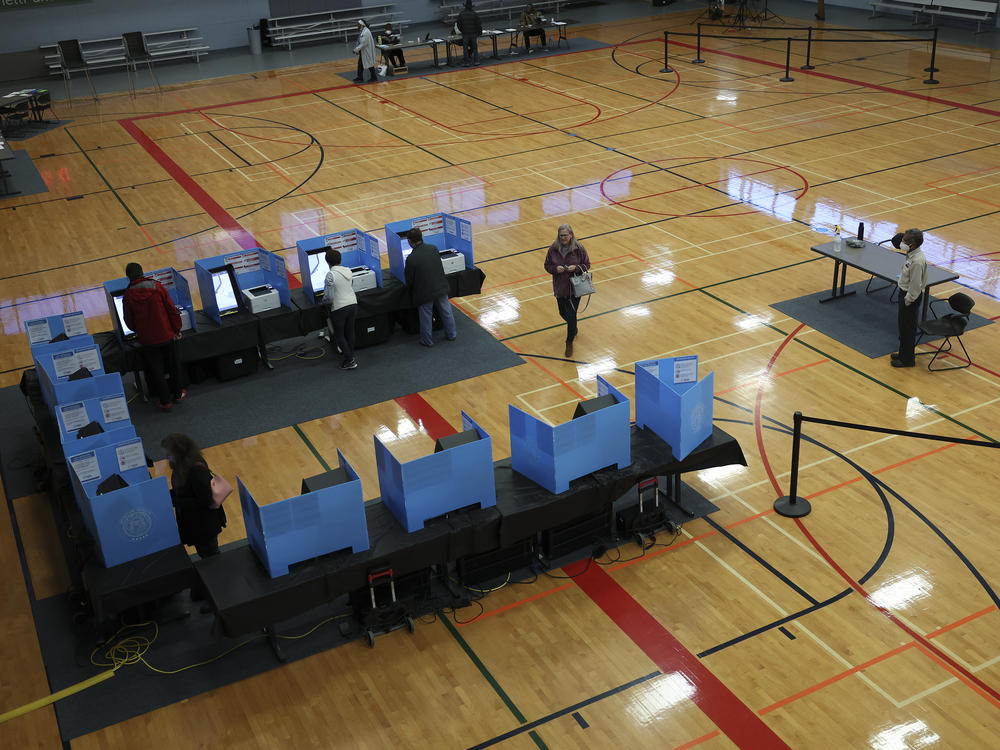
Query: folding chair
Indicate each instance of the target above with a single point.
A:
(71, 60)
(951, 325)
(136, 51)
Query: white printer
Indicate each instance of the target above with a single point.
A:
(362, 278)
(452, 260)
(261, 298)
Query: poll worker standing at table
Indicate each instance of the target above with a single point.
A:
(429, 288)
(394, 57)
(365, 50)
(531, 25)
(338, 294)
(470, 27)
(912, 280)
(565, 258)
(199, 520)
(149, 311)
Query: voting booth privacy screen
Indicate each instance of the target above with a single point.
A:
(554, 456)
(301, 528)
(129, 522)
(440, 483)
(43, 330)
(253, 279)
(444, 231)
(175, 284)
(673, 403)
(357, 250)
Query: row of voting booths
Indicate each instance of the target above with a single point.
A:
(670, 401)
(127, 513)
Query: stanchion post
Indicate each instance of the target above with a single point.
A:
(788, 60)
(932, 69)
(809, 47)
(666, 63)
(698, 60)
(790, 505)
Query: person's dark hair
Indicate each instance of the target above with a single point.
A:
(185, 454)
(133, 271)
(333, 258)
(415, 237)
(917, 235)
(468, 4)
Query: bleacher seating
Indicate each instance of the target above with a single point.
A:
(109, 53)
(507, 10)
(980, 11)
(284, 31)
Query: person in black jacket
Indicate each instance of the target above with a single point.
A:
(198, 522)
(428, 287)
(470, 27)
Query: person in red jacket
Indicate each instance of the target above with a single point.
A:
(149, 311)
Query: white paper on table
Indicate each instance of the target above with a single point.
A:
(114, 408)
(130, 455)
(73, 416)
(85, 465)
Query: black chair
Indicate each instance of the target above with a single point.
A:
(39, 105)
(136, 51)
(71, 60)
(15, 115)
(951, 325)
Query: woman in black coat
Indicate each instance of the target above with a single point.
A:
(198, 521)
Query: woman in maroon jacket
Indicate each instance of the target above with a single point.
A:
(565, 258)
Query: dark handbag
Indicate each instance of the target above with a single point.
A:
(582, 283)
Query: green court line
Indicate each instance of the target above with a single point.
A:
(322, 462)
(113, 192)
(489, 678)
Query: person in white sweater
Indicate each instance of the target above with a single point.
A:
(339, 296)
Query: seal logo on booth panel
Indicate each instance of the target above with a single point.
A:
(697, 418)
(137, 524)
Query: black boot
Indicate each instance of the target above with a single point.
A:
(373, 75)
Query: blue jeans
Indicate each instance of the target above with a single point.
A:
(426, 310)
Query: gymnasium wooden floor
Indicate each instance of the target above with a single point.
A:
(872, 622)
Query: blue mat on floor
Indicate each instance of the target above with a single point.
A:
(23, 178)
(425, 66)
(863, 322)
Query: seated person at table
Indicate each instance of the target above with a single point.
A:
(394, 57)
(531, 21)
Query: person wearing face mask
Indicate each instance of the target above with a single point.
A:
(198, 521)
(912, 280)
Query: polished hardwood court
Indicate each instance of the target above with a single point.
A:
(697, 193)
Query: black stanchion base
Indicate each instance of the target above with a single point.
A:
(792, 507)
(931, 80)
(808, 67)
(931, 70)
(699, 61)
(786, 79)
(667, 69)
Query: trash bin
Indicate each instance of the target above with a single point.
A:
(253, 36)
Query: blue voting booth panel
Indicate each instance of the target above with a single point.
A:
(111, 437)
(110, 412)
(301, 528)
(680, 413)
(252, 268)
(444, 231)
(171, 279)
(54, 368)
(356, 248)
(554, 456)
(439, 483)
(43, 330)
(130, 522)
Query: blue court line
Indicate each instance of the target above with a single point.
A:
(568, 710)
(580, 720)
(773, 570)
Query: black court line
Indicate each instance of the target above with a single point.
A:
(568, 710)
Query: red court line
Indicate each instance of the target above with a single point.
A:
(733, 717)
(425, 415)
(758, 429)
(698, 740)
(548, 372)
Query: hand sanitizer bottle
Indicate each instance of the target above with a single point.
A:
(838, 241)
